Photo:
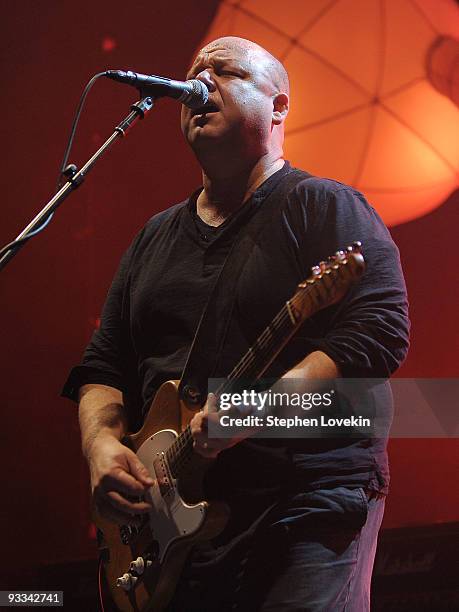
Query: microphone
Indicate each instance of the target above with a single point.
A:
(192, 93)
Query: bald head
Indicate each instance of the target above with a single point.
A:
(257, 56)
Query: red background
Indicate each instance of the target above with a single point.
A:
(52, 292)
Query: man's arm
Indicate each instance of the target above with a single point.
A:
(367, 333)
(315, 366)
(115, 470)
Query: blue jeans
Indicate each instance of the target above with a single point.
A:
(315, 553)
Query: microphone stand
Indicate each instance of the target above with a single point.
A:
(75, 178)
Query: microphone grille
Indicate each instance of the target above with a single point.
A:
(198, 94)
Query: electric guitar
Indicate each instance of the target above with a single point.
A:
(142, 564)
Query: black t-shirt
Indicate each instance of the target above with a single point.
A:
(162, 285)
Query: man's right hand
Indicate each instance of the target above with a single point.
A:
(117, 476)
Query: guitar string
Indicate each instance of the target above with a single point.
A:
(261, 343)
(301, 295)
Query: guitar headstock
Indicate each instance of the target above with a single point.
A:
(330, 280)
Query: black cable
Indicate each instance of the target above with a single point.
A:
(15, 244)
(74, 127)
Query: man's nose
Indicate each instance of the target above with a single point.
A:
(206, 78)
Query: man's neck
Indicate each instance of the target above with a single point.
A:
(223, 195)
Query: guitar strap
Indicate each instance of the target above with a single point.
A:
(209, 340)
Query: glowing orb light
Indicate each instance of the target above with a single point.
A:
(364, 108)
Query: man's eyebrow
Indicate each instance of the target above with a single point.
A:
(206, 55)
(195, 65)
(218, 62)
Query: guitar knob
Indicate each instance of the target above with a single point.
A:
(126, 582)
(138, 566)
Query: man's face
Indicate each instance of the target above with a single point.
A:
(240, 106)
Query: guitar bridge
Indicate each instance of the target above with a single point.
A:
(163, 475)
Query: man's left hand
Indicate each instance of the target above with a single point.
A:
(199, 424)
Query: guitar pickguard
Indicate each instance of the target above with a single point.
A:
(171, 517)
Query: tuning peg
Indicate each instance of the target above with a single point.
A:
(315, 270)
(356, 246)
(340, 255)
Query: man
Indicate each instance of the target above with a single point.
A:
(305, 513)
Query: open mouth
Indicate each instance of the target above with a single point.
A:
(209, 107)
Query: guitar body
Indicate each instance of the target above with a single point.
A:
(178, 520)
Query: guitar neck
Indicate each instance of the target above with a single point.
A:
(267, 346)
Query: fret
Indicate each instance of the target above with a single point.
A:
(291, 312)
(271, 339)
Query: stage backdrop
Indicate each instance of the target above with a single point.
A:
(51, 294)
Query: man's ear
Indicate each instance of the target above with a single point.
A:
(280, 108)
